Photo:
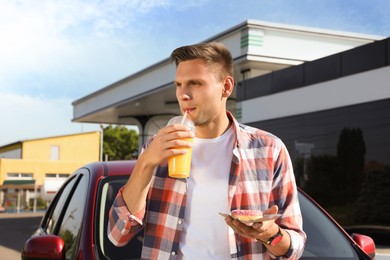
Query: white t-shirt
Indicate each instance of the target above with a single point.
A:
(205, 232)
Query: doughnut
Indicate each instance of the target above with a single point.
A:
(246, 215)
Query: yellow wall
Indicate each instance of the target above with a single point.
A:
(79, 147)
(37, 168)
(74, 152)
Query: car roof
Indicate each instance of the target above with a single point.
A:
(112, 168)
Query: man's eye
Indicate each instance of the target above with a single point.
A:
(195, 83)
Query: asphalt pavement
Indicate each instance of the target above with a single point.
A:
(16, 228)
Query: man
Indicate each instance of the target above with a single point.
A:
(233, 167)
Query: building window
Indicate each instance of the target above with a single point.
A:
(54, 152)
(56, 175)
(19, 176)
(12, 175)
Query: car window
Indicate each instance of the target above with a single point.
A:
(73, 218)
(107, 193)
(324, 239)
(57, 206)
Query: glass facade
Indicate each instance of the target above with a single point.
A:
(322, 129)
(339, 154)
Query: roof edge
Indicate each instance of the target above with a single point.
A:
(246, 23)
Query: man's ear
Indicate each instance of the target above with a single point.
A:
(228, 85)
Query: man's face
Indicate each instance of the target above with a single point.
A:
(199, 92)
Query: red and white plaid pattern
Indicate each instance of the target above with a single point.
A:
(261, 175)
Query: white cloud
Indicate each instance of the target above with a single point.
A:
(53, 52)
(26, 117)
(57, 48)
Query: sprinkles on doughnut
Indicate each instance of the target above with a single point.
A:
(246, 215)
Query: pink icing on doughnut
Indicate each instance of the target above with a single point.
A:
(246, 215)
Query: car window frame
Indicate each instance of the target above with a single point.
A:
(101, 218)
(100, 213)
(83, 175)
(49, 213)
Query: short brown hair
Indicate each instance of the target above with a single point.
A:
(216, 55)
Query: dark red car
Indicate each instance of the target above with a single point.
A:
(75, 224)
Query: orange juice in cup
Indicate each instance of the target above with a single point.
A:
(179, 165)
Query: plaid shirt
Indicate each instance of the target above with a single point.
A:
(261, 175)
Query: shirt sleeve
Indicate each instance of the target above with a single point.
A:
(285, 194)
(122, 225)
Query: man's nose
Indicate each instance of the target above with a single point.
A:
(184, 95)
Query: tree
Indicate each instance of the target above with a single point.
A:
(120, 143)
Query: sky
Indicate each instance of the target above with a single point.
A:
(54, 52)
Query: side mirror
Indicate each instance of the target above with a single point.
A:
(44, 247)
(366, 243)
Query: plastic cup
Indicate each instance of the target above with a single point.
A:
(179, 165)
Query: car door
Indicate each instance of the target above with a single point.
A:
(64, 217)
